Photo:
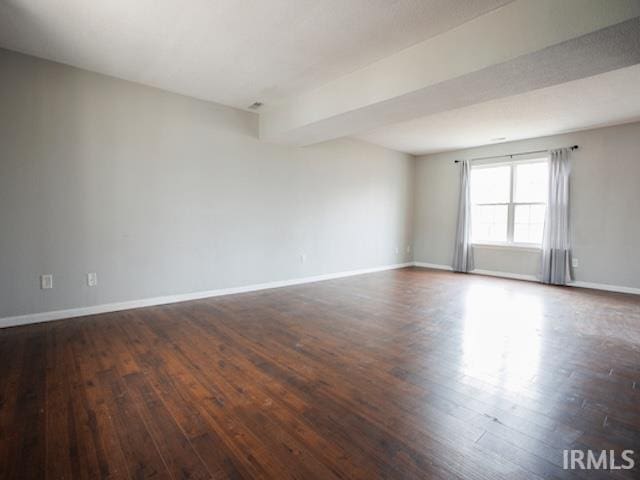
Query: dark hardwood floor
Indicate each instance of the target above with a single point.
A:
(403, 374)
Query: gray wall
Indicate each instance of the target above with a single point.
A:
(605, 196)
(161, 194)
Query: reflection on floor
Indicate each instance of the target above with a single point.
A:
(502, 336)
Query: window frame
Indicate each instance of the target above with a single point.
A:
(511, 205)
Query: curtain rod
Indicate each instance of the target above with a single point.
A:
(511, 155)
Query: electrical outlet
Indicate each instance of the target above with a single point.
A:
(408, 248)
(46, 281)
(575, 263)
(92, 279)
(303, 258)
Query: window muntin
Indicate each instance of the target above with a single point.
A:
(509, 202)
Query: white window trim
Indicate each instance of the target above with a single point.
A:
(510, 244)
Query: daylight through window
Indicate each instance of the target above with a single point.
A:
(509, 202)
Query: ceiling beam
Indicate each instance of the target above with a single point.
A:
(523, 46)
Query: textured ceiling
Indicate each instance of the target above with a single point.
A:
(606, 99)
(228, 51)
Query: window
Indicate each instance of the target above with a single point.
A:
(509, 202)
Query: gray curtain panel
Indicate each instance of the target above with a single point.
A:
(556, 247)
(463, 252)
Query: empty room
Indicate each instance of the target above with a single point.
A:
(320, 239)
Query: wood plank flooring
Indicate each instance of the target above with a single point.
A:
(404, 374)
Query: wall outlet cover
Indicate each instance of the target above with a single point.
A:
(46, 281)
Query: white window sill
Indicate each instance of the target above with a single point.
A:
(508, 246)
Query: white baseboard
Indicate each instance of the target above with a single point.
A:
(184, 297)
(605, 287)
(513, 276)
(149, 302)
(533, 278)
(478, 271)
(433, 265)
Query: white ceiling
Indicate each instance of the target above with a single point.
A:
(606, 99)
(229, 51)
